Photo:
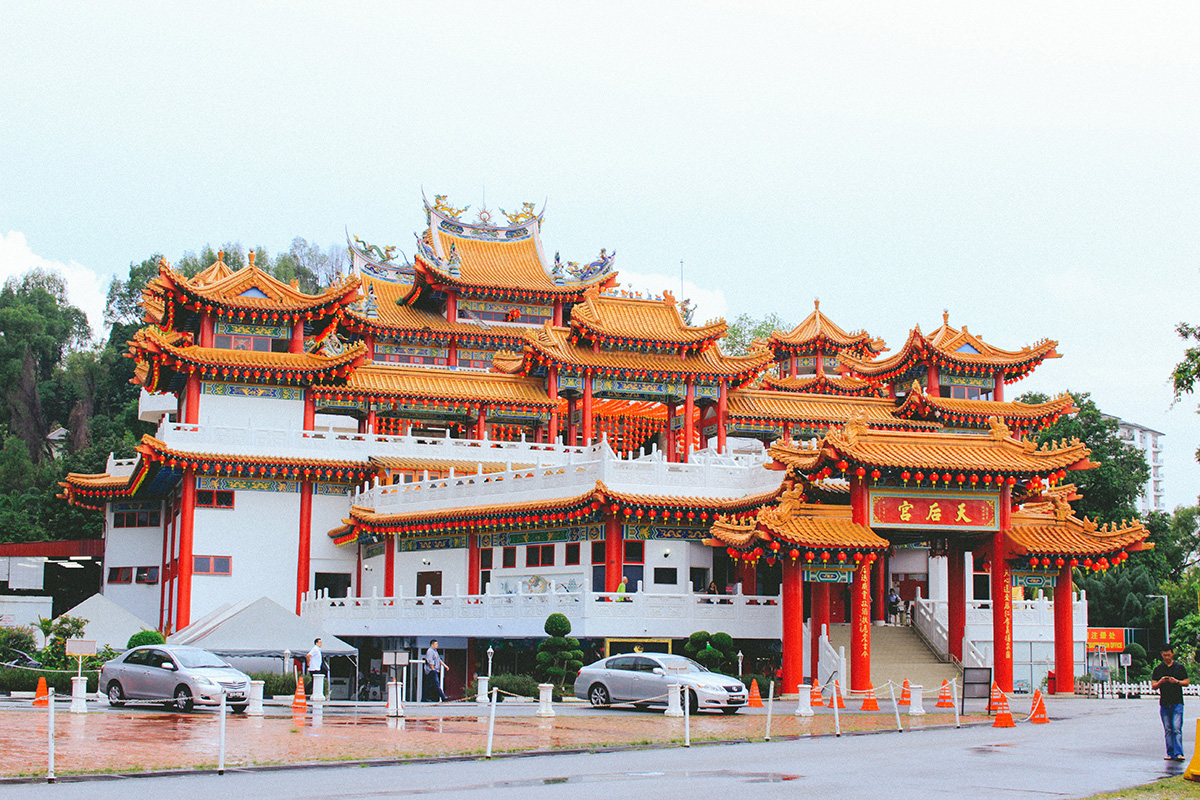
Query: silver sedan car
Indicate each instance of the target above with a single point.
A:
(176, 675)
(644, 679)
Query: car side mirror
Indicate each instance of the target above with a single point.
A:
(658, 671)
(167, 665)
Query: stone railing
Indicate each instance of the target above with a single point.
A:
(592, 614)
(1033, 620)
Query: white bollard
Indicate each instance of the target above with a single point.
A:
(481, 695)
(916, 709)
(804, 706)
(255, 706)
(318, 693)
(78, 695)
(395, 700)
(50, 776)
(545, 697)
(221, 735)
(673, 707)
(770, 708)
(492, 721)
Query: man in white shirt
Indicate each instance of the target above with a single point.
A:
(316, 664)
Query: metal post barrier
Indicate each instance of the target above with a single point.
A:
(770, 708)
(481, 695)
(318, 692)
(915, 707)
(545, 697)
(673, 709)
(954, 699)
(395, 699)
(687, 718)
(255, 706)
(895, 706)
(492, 723)
(50, 751)
(221, 748)
(837, 719)
(78, 695)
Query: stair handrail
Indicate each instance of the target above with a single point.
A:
(929, 628)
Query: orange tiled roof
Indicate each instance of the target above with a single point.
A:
(802, 525)
(368, 516)
(982, 453)
(817, 410)
(552, 345)
(817, 331)
(1049, 531)
(607, 318)
(730, 504)
(822, 384)
(156, 450)
(248, 294)
(954, 349)
(976, 413)
(161, 354)
(416, 324)
(378, 380)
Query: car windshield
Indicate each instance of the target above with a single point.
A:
(681, 665)
(195, 659)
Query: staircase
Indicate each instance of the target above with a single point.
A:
(897, 652)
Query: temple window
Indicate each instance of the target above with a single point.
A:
(572, 555)
(137, 519)
(539, 555)
(635, 552)
(260, 344)
(120, 574)
(208, 498)
(212, 565)
(510, 557)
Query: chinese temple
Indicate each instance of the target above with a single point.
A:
(457, 445)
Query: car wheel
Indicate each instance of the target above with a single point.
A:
(729, 710)
(239, 708)
(598, 696)
(183, 699)
(116, 695)
(693, 702)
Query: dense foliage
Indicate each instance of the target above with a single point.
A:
(559, 657)
(715, 651)
(68, 401)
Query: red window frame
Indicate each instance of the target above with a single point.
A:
(635, 552)
(214, 498)
(120, 574)
(571, 556)
(208, 565)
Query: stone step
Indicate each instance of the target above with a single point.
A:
(898, 653)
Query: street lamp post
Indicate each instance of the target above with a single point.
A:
(1166, 617)
(491, 652)
(740, 662)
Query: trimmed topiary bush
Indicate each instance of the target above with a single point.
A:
(145, 637)
(559, 658)
(715, 651)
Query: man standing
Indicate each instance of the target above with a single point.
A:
(433, 673)
(621, 589)
(314, 661)
(1169, 678)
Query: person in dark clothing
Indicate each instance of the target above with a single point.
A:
(1169, 678)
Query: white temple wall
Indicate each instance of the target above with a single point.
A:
(372, 576)
(328, 511)
(133, 548)
(261, 534)
(254, 412)
(451, 563)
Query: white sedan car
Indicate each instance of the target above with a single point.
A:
(643, 679)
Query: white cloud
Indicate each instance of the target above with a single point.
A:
(85, 288)
(710, 303)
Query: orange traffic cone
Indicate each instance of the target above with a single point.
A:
(815, 698)
(905, 694)
(298, 701)
(755, 697)
(1004, 717)
(837, 696)
(43, 693)
(870, 702)
(996, 695)
(1038, 716)
(944, 700)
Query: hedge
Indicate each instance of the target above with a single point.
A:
(26, 680)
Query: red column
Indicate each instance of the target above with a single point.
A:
(672, 407)
(892, 391)
(572, 429)
(167, 520)
(296, 345)
(452, 354)
(879, 584)
(820, 365)
(481, 423)
(860, 629)
(206, 330)
(304, 552)
(370, 340)
(819, 617)
(858, 500)
(452, 306)
(932, 387)
(389, 568)
(998, 392)
(358, 572)
(793, 626)
(587, 409)
(187, 522)
(370, 421)
(1064, 631)
(689, 410)
(956, 600)
(722, 411)
(472, 564)
(552, 390)
(747, 575)
(191, 403)
(1002, 611)
(614, 553)
(558, 313)
(310, 410)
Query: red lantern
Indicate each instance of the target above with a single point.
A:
(843, 466)
(1074, 562)
(1058, 562)
(809, 556)
(795, 554)
(860, 472)
(920, 476)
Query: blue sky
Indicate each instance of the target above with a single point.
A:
(1031, 167)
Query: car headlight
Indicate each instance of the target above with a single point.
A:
(203, 681)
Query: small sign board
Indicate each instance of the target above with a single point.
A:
(977, 684)
(81, 647)
(1109, 638)
(1126, 659)
(395, 658)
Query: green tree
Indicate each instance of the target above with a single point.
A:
(714, 650)
(1111, 490)
(1186, 372)
(745, 330)
(559, 656)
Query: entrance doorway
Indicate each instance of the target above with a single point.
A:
(429, 583)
